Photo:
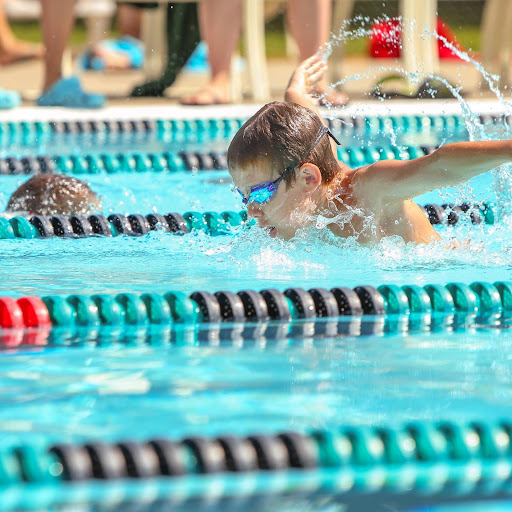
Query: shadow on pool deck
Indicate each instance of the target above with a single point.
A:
(26, 77)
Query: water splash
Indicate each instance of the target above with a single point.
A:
(361, 27)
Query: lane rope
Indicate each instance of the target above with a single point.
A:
(212, 223)
(480, 299)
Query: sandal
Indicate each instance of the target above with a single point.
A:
(206, 96)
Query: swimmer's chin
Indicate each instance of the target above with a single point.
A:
(281, 234)
(271, 231)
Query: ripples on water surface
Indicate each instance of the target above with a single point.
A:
(130, 389)
(88, 391)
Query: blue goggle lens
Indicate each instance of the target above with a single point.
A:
(260, 194)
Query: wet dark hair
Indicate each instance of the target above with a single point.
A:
(53, 194)
(280, 134)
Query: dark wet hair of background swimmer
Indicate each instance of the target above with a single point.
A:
(54, 194)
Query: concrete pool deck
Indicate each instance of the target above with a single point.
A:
(26, 77)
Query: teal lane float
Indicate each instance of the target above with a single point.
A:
(211, 223)
(176, 162)
(480, 299)
(221, 127)
(447, 459)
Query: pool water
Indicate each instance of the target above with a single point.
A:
(83, 386)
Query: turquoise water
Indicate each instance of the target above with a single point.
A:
(138, 391)
(142, 386)
(249, 259)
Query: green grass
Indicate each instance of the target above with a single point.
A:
(31, 31)
(468, 36)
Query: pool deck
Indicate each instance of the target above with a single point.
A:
(26, 77)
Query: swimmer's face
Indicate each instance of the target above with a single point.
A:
(287, 211)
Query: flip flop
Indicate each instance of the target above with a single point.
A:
(9, 99)
(211, 98)
(393, 86)
(436, 88)
(67, 92)
(430, 88)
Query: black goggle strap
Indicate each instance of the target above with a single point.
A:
(321, 132)
(338, 143)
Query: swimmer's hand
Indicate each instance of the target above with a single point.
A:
(303, 85)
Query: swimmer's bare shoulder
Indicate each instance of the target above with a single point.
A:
(392, 214)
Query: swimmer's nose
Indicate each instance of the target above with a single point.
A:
(253, 210)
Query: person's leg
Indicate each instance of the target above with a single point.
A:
(220, 22)
(13, 49)
(57, 18)
(129, 20)
(309, 22)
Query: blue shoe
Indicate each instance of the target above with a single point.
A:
(67, 92)
(9, 99)
(133, 48)
(128, 46)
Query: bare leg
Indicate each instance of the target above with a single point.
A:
(222, 39)
(309, 22)
(57, 22)
(129, 19)
(12, 48)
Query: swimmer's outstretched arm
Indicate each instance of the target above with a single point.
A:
(449, 165)
(302, 86)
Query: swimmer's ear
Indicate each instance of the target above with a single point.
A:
(310, 176)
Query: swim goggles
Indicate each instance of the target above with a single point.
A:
(263, 192)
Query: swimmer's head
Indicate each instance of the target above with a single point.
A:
(279, 134)
(54, 194)
(282, 142)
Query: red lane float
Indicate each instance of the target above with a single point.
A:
(35, 313)
(11, 315)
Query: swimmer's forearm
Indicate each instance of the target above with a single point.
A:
(293, 96)
(461, 161)
(449, 165)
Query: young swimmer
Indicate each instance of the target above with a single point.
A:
(283, 164)
(53, 194)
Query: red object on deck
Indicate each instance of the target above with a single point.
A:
(386, 40)
(35, 313)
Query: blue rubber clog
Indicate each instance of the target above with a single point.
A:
(67, 92)
(9, 99)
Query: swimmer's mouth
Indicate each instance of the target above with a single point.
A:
(271, 230)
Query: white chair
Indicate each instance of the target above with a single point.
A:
(496, 40)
